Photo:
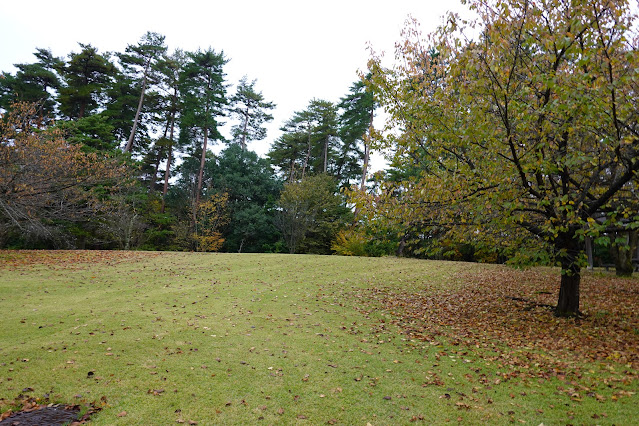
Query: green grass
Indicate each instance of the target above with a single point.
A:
(242, 339)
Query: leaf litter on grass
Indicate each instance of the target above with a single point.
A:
(505, 316)
(67, 259)
(280, 337)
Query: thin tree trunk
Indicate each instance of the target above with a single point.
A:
(326, 154)
(200, 177)
(308, 156)
(589, 253)
(167, 172)
(129, 144)
(246, 120)
(156, 168)
(362, 185)
(292, 171)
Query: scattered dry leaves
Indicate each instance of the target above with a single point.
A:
(506, 315)
(68, 259)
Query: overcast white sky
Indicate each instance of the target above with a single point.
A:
(297, 50)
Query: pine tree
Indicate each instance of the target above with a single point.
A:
(251, 109)
(204, 94)
(140, 60)
(86, 77)
(33, 83)
(356, 123)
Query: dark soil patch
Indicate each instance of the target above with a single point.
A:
(54, 415)
(36, 411)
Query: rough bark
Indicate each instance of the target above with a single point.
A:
(568, 303)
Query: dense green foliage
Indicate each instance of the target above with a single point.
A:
(512, 138)
(157, 116)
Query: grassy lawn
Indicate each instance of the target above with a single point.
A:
(160, 338)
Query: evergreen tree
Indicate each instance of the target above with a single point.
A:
(287, 154)
(170, 69)
(253, 190)
(309, 142)
(324, 136)
(140, 61)
(86, 77)
(356, 122)
(251, 109)
(204, 96)
(35, 83)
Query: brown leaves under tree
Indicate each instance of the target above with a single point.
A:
(507, 315)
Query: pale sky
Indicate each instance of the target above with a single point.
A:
(297, 50)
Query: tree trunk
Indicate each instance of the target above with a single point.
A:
(292, 171)
(326, 154)
(589, 253)
(568, 303)
(200, 177)
(129, 144)
(367, 150)
(246, 120)
(623, 252)
(362, 185)
(156, 167)
(83, 107)
(167, 172)
(402, 245)
(308, 156)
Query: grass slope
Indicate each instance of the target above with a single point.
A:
(160, 338)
